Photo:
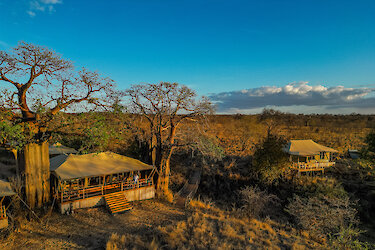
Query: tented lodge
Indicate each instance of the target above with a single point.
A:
(80, 181)
(307, 155)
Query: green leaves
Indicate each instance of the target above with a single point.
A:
(269, 160)
(97, 134)
(12, 135)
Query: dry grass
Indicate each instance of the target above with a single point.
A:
(92, 228)
(218, 229)
(129, 241)
(153, 224)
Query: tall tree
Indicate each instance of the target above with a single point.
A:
(36, 84)
(165, 107)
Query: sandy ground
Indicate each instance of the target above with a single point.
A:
(91, 228)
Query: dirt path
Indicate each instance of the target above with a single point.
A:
(91, 228)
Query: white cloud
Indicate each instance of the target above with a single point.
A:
(295, 95)
(36, 6)
(51, 1)
(31, 13)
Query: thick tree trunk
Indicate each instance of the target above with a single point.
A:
(162, 188)
(163, 179)
(34, 168)
(165, 154)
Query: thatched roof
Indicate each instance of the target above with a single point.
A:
(306, 148)
(59, 149)
(6, 189)
(97, 164)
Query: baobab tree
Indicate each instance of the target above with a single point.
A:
(165, 107)
(36, 84)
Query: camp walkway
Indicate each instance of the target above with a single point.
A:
(189, 189)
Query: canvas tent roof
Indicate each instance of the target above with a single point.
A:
(6, 189)
(306, 148)
(97, 164)
(59, 149)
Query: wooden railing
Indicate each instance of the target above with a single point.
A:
(99, 190)
(3, 214)
(311, 166)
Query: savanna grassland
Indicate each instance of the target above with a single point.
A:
(234, 207)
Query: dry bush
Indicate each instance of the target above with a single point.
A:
(322, 206)
(210, 227)
(323, 215)
(203, 203)
(309, 186)
(166, 196)
(364, 164)
(128, 241)
(16, 183)
(257, 203)
(116, 242)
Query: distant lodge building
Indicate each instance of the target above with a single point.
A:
(307, 155)
(5, 190)
(354, 154)
(59, 149)
(80, 181)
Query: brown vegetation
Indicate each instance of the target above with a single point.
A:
(218, 229)
(228, 217)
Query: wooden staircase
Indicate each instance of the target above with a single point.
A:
(117, 202)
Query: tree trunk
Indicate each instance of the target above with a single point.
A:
(165, 154)
(34, 168)
(163, 180)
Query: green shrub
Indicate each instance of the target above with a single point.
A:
(365, 164)
(347, 238)
(269, 160)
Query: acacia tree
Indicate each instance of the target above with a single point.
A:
(36, 84)
(165, 106)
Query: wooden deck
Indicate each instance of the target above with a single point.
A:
(69, 194)
(117, 202)
(311, 166)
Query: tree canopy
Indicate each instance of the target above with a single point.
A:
(269, 159)
(165, 106)
(44, 83)
(36, 84)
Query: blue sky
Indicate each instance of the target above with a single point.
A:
(219, 48)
